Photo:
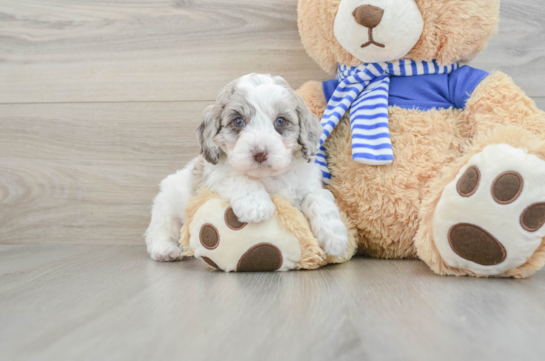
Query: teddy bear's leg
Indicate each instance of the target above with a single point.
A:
(216, 235)
(486, 216)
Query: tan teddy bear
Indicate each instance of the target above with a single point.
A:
(428, 158)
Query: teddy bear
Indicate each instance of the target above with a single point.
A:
(428, 157)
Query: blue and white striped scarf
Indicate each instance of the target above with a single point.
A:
(365, 90)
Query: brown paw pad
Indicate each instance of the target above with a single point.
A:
(476, 245)
(232, 220)
(533, 218)
(263, 257)
(469, 182)
(507, 187)
(209, 236)
(211, 263)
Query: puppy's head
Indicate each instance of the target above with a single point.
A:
(261, 125)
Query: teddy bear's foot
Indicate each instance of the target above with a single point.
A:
(490, 218)
(226, 243)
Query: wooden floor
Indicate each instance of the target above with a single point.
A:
(97, 302)
(99, 101)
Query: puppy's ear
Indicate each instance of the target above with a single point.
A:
(310, 129)
(209, 128)
(211, 124)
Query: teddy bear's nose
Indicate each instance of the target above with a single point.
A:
(368, 15)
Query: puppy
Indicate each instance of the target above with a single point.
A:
(259, 139)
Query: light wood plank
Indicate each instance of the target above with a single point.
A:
(153, 50)
(79, 173)
(519, 47)
(540, 102)
(163, 50)
(113, 303)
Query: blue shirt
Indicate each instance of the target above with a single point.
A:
(425, 92)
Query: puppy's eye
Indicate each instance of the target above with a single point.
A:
(280, 122)
(239, 122)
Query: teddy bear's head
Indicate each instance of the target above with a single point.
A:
(350, 32)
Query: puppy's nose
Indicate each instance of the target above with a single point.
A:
(260, 156)
(368, 15)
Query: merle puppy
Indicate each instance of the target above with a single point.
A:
(259, 139)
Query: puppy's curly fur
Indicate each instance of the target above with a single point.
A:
(258, 139)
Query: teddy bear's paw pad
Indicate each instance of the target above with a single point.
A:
(490, 218)
(211, 263)
(225, 243)
(232, 221)
(533, 217)
(507, 187)
(263, 257)
(469, 182)
(209, 236)
(475, 244)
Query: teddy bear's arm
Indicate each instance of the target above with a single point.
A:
(499, 101)
(312, 93)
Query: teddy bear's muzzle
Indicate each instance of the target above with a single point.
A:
(370, 17)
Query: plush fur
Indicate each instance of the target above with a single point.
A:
(427, 250)
(385, 201)
(392, 207)
(454, 30)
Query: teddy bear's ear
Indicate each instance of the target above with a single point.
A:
(455, 30)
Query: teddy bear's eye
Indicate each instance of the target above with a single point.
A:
(280, 122)
(239, 123)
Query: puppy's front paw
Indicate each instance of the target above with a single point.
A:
(165, 252)
(254, 208)
(333, 238)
